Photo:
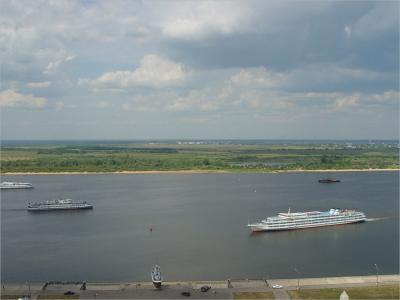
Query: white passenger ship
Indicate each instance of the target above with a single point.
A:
(61, 204)
(299, 220)
(15, 185)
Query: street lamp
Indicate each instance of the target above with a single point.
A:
(29, 288)
(298, 278)
(377, 271)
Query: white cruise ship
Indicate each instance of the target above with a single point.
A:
(62, 204)
(299, 220)
(15, 185)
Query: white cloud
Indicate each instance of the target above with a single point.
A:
(180, 104)
(39, 85)
(329, 75)
(346, 102)
(153, 71)
(338, 101)
(347, 30)
(226, 98)
(127, 107)
(326, 75)
(61, 57)
(11, 98)
(196, 20)
(388, 96)
(59, 105)
(258, 77)
(203, 100)
(103, 104)
(380, 19)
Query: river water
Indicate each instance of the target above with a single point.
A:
(199, 227)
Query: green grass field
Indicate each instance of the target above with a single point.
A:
(89, 157)
(380, 292)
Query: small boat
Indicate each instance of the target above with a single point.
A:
(156, 276)
(328, 180)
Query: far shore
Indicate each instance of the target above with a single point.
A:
(201, 172)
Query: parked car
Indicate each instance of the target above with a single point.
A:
(186, 294)
(68, 293)
(277, 286)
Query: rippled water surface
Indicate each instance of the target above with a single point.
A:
(199, 227)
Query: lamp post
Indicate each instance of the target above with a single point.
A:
(298, 278)
(28, 283)
(377, 271)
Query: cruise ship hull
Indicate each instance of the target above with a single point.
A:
(261, 227)
(58, 208)
(16, 187)
(10, 185)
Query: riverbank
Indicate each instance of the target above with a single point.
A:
(201, 172)
(94, 158)
(226, 289)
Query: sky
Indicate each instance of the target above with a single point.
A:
(199, 69)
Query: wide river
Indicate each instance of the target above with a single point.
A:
(199, 227)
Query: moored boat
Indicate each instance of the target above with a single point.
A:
(59, 204)
(300, 220)
(156, 276)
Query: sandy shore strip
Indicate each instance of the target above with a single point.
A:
(200, 172)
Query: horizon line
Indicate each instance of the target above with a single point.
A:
(206, 139)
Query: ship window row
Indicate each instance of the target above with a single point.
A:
(312, 222)
(296, 225)
(319, 218)
(315, 220)
(69, 205)
(309, 221)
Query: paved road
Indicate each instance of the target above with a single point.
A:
(164, 293)
(219, 289)
(281, 294)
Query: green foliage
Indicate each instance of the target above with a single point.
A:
(371, 292)
(240, 158)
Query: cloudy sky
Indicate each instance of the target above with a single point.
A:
(199, 69)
